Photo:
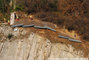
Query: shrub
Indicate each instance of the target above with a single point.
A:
(38, 5)
(74, 8)
(19, 7)
(10, 36)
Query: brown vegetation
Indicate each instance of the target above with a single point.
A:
(1, 17)
(74, 14)
(38, 5)
(74, 8)
(79, 25)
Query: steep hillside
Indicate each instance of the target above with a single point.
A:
(38, 44)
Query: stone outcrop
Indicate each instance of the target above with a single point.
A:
(36, 47)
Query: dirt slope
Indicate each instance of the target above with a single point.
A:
(39, 44)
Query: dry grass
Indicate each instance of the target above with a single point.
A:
(69, 23)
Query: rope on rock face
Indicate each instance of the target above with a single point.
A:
(51, 29)
(18, 25)
(74, 40)
(40, 27)
(25, 26)
(45, 28)
(63, 37)
(70, 39)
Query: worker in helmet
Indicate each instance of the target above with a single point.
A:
(17, 18)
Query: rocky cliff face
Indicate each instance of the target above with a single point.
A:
(34, 47)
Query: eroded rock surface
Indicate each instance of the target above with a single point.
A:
(36, 47)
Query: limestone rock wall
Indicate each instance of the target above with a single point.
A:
(36, 47)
